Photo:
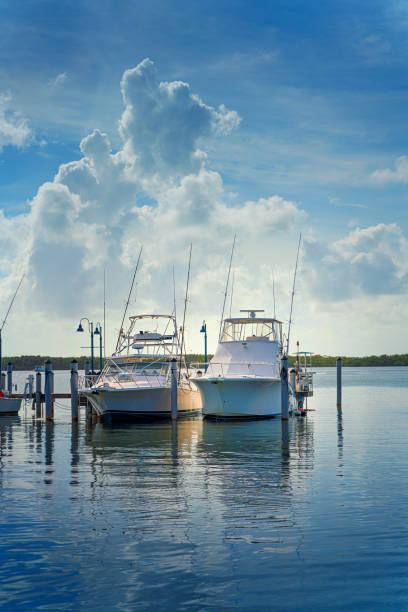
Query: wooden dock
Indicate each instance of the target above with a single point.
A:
(54, 396)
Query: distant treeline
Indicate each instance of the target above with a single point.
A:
(371, 360)
(29, 362)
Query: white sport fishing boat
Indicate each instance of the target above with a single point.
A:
(136, 379)
(242, 380)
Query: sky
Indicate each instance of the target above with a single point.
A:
(167, 123)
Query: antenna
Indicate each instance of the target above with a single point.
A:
(4, 322)
(183, 346)
(293, 293)
(128, 300)
(226, 286)
(174, 295)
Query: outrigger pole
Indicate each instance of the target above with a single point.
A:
(128, 300)
(4, 322)
(293, 294)
(226, 286)
(183, 345)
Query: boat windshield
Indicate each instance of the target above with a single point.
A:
(245, 330)
(145, 367)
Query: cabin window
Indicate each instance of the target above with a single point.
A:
(246, 330)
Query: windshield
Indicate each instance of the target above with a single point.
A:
(242, 330)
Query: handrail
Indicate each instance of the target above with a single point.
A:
(253, 369)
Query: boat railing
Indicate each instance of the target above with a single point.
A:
(253, 369)
(138, 378)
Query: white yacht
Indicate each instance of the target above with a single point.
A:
(136, 379)
(242, 380)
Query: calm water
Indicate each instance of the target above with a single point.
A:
(212, 516)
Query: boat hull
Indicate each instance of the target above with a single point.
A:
(9, 405)
(146, 403)
(247, 398)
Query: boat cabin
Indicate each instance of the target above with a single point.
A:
(249, 346)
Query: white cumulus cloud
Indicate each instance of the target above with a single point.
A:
(163, 122)
(397, 175)
(155, 190)
(14, 129)
(368, 262)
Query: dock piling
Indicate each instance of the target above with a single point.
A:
(74, 390)
(338, 363)
(3, 381)
(10, 377)
(87, 371)
(30, 385)
(38, 395)
(48, 389)
(284, 388)
(173, 369)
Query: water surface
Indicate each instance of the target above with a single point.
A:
(212, 516)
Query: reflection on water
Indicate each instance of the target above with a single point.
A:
(260, 515)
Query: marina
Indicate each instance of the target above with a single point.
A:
(207, 515)
(203, 269)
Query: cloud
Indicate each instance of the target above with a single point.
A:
(155, 190)
(14, 129)
(338, 202)
(61, 78)
(163, 122)
(386, 175)
(376, 50)
(367, 262)
(266, 215)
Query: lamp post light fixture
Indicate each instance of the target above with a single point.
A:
(91, 331)
(203, 330)
(98, 332)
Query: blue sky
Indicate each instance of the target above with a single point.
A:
(319, 92)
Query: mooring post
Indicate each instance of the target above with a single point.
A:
(38, 395)
(10, 377)
(48, 389)
(74, 390)
(3, 381)
(87, 369)
(52, 392)
(173, 369)
(284, 388)
(30, 385)
(338, 382)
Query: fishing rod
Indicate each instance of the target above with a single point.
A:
(4, 322)
(183, 345)
(273, 289)
(232, 291)
(104, 313)
(293, 294)
(128, 300)
(226, 286)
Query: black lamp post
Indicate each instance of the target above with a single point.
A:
(91, 331)
(98, 332)
(203, 330)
